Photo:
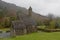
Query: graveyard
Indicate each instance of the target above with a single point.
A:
(19, 23)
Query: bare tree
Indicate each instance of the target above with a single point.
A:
(50, 16)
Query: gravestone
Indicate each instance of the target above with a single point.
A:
(19, 27)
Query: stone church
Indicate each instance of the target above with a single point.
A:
(24, 25)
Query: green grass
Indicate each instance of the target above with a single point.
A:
(37, 36)
(5, 29)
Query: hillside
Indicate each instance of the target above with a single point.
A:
(12, 9)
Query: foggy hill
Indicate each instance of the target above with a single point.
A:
(12, 9)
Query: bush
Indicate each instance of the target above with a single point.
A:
(52, 24)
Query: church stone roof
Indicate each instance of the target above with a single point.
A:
(18, 24)
(27, 19)
(23, 22)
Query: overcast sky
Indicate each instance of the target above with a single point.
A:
(40, 6)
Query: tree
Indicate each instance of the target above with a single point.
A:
(51, 21)
(50, 16)
(46, 23)
(7, 22)
(52, 24)
(57, 22)
(3, 12)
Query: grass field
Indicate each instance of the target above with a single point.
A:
(37, 36)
